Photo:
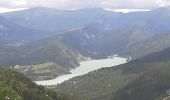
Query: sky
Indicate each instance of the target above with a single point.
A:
(79, 4)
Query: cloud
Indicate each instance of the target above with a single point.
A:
(12, 3)
(77, 4)
(121, 4)
(3, 10)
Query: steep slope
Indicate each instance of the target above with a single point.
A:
(146, 78)
(153, 44)
(48, 58)
(13, 34)
(62, 52)
(152, 85)
(93, 30)
(92, 41)
(124, 35)
(15, 86)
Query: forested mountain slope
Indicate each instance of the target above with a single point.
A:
(15, 86)
(132, 34)
(145, 78)
(43, 59)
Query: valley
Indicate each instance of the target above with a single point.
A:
(146, 78)
(68, 54)
(84, 68)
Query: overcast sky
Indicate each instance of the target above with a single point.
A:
(77, 4)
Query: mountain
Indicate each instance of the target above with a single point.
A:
(90, 31)
(42, 59)
(91, 41)
(36, 57)
(152, 85)
(134, 40)
(15, 86)
(15, 34)
(94, 33)
(50, 57)
(146, 78)
(150, 45)
(55, 20)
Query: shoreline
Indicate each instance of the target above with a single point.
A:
(85, 67)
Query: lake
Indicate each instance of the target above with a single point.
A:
(84, 68)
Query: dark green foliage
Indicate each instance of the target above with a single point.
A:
(8, 92)
(49, 50)
(150, 45)
(152, 85)
(147, 78)
(15, 86)
(46, 50)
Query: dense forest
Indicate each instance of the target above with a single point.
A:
(146, 78)
(15, 86)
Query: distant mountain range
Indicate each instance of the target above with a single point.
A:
(13, 33)
(55, 20)
(44, 43)
(122, 35)
(63, 37)
(63, 20)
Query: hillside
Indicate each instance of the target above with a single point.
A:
(90, 31)
(92, 40)
(152, 85)
(131, 34)
(15, 86)
(11, 34)
(94, 33)
(146, 78)
(41, 44)
(43, 59)
(154, 44)
(53, 56)
(57, 20)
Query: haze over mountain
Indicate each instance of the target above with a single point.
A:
(89, 33)
(56, 20)
(11, 32)
(44, 43)
(124, 33)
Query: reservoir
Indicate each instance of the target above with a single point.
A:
(84, 68)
